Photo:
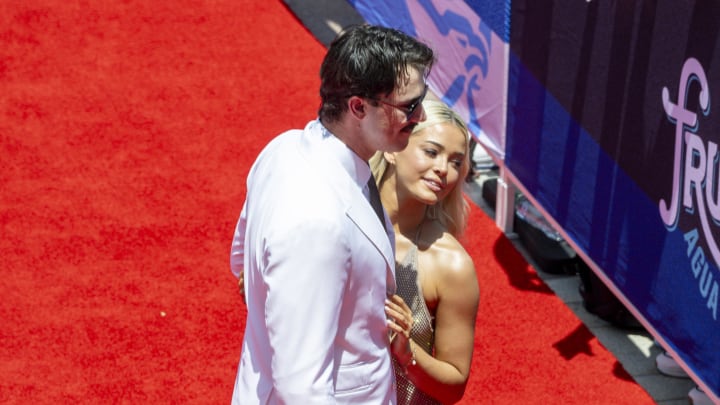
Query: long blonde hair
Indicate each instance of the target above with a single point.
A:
(452, 211)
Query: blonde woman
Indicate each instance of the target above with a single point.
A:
(421, 190)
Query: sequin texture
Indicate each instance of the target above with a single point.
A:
(423, 334)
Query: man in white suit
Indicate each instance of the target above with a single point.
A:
(319, 263)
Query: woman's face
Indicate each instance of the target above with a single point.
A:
(432, 163)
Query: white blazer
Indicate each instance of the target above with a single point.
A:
(318, 267)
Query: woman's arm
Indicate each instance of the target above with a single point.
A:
(445, 376)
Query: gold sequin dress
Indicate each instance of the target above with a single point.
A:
(423, 334)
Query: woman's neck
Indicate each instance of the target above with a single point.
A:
(406, 214)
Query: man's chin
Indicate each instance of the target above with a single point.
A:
(397, 144)
(408, 129)
(400, 145)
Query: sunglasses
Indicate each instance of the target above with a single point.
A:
(410, 109)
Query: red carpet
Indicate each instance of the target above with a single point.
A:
(127, 130)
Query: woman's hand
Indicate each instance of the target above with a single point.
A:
(400, 323)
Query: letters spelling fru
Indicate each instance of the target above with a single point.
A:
(696, 171)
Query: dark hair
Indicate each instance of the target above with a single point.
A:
(367, 60)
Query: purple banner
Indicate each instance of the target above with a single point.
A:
(611, 130)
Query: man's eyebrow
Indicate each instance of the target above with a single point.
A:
(418, 98)
(415, 100)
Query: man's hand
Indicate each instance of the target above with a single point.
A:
(241, 285)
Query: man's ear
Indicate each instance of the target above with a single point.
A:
(356, 105)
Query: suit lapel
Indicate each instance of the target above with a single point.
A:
(358, 208)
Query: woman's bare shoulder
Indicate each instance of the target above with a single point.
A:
(449, 256)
